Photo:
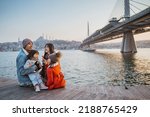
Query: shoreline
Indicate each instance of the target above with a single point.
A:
(10, 90)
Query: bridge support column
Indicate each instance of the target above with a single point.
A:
(128, 43)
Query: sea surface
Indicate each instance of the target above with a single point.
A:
(102, 67)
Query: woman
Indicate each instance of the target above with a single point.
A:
(49, 49)
(52, 74)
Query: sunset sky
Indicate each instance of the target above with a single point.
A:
(61, 19)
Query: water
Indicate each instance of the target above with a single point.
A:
(103, 67)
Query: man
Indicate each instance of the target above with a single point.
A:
(22, 73)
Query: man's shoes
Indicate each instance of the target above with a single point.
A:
(25, 85)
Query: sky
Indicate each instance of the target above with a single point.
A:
(55, 19)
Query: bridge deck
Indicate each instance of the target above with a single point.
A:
(110, 32)
(11, 91)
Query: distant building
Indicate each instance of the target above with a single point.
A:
(19, 43)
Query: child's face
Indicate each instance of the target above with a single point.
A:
(47, 49)
(36, 56)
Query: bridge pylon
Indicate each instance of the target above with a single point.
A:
(128, 43)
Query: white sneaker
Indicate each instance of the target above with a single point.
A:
(37, 88)
(42, 86)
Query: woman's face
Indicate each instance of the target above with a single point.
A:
(47, 49)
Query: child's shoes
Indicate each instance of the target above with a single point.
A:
(42, 86)
(37, 88)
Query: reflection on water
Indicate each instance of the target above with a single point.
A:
(108, 67)
(129, 68)
(136, 71)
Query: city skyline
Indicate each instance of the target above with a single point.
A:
(65, 19)
(61, 19)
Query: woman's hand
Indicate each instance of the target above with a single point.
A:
(46, 62)
(43, 60)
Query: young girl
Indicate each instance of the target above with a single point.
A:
(54, 58)
(35, 77)
(51, 61)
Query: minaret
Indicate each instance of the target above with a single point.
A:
(19, 42)
(43, 35)
(18, 39)
(88, 29)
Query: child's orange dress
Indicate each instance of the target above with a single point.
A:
(55, 78)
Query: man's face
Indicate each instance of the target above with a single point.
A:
(29, 46)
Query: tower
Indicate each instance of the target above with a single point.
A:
(88, 29)
(19, 42)
(128, 43)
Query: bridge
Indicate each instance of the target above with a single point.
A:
(124, 27)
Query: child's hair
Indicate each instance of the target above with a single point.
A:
(31, 54)
(58, 55)
(55, 57)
